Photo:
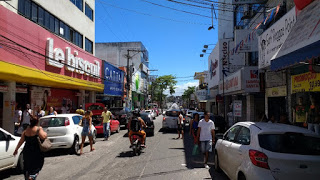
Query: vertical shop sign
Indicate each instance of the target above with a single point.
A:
(237, 108)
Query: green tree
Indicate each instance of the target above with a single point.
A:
(161, 84)
(187, 93)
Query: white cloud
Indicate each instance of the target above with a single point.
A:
(181, 87)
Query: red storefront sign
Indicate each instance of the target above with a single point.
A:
(30, 45)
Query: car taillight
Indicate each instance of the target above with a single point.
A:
(67, 122)
(259, 159)
(164, 118)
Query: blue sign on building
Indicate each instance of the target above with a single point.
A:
(113, 83)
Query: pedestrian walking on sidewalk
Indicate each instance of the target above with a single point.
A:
(206, 135)
(86, 124)
(194, 127)
(106, 115)
(33, 158)
(180, 125)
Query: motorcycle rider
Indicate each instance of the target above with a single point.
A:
(140, 132)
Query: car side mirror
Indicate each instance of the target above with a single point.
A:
(8, 138)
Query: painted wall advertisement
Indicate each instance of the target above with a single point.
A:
(272, 39)
(113, 83)
(137, 83)
(214, 67)
(305, 82)
(237, 108)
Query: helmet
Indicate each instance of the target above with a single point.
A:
(136, 113)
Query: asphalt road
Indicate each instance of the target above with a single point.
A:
(164, 158)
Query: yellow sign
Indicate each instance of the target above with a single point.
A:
(307, 82)
(276, 91)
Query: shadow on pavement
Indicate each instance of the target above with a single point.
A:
(9, 172)
(127, 154)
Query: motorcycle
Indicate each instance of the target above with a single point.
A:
(136, 145)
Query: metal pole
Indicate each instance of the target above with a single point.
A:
(224, 100)
(128, 79)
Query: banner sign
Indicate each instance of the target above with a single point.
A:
(113, 83)
(272, 39)
(305, 82)
(237, 108)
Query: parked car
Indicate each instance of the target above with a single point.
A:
(97, 120)
(8, 144)
(170, 119)
(122, 114)
(151, 112)
(63, 131)
(250, 150)
(149, 122)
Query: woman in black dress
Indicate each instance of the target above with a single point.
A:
(32, 156)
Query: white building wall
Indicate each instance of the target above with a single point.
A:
(226, 19)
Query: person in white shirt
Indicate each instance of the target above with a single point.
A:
(17, 117)
(40, 113)
(206, 135)
(26, 116)
(64, 109)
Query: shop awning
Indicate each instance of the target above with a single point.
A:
(23, 74)
(303, 42)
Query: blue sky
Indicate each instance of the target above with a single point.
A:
(174, 39)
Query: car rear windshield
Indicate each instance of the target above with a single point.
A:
(95, 107)
(172, 113)
(52, 122)
(290, 143)
(145, 117)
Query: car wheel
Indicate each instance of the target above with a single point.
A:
(20, 165)
(118, 130)
(94, 137)
(216, 162)
(241, 176)
(76, 146)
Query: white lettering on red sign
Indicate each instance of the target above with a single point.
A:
(57, 58)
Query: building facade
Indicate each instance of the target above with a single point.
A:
(46, 57)
(134, 56)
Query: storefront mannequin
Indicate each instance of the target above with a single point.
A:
(300, 113)
(313, 118)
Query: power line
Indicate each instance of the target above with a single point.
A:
(176, 9)
(146, 14)
(188, 12)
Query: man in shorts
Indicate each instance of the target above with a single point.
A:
(206, 135)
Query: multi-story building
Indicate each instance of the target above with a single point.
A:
(47, 57)
(134, 56)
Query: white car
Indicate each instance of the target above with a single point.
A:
(64, 132)
(8, 144)
(261, 151)
(152, 113)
